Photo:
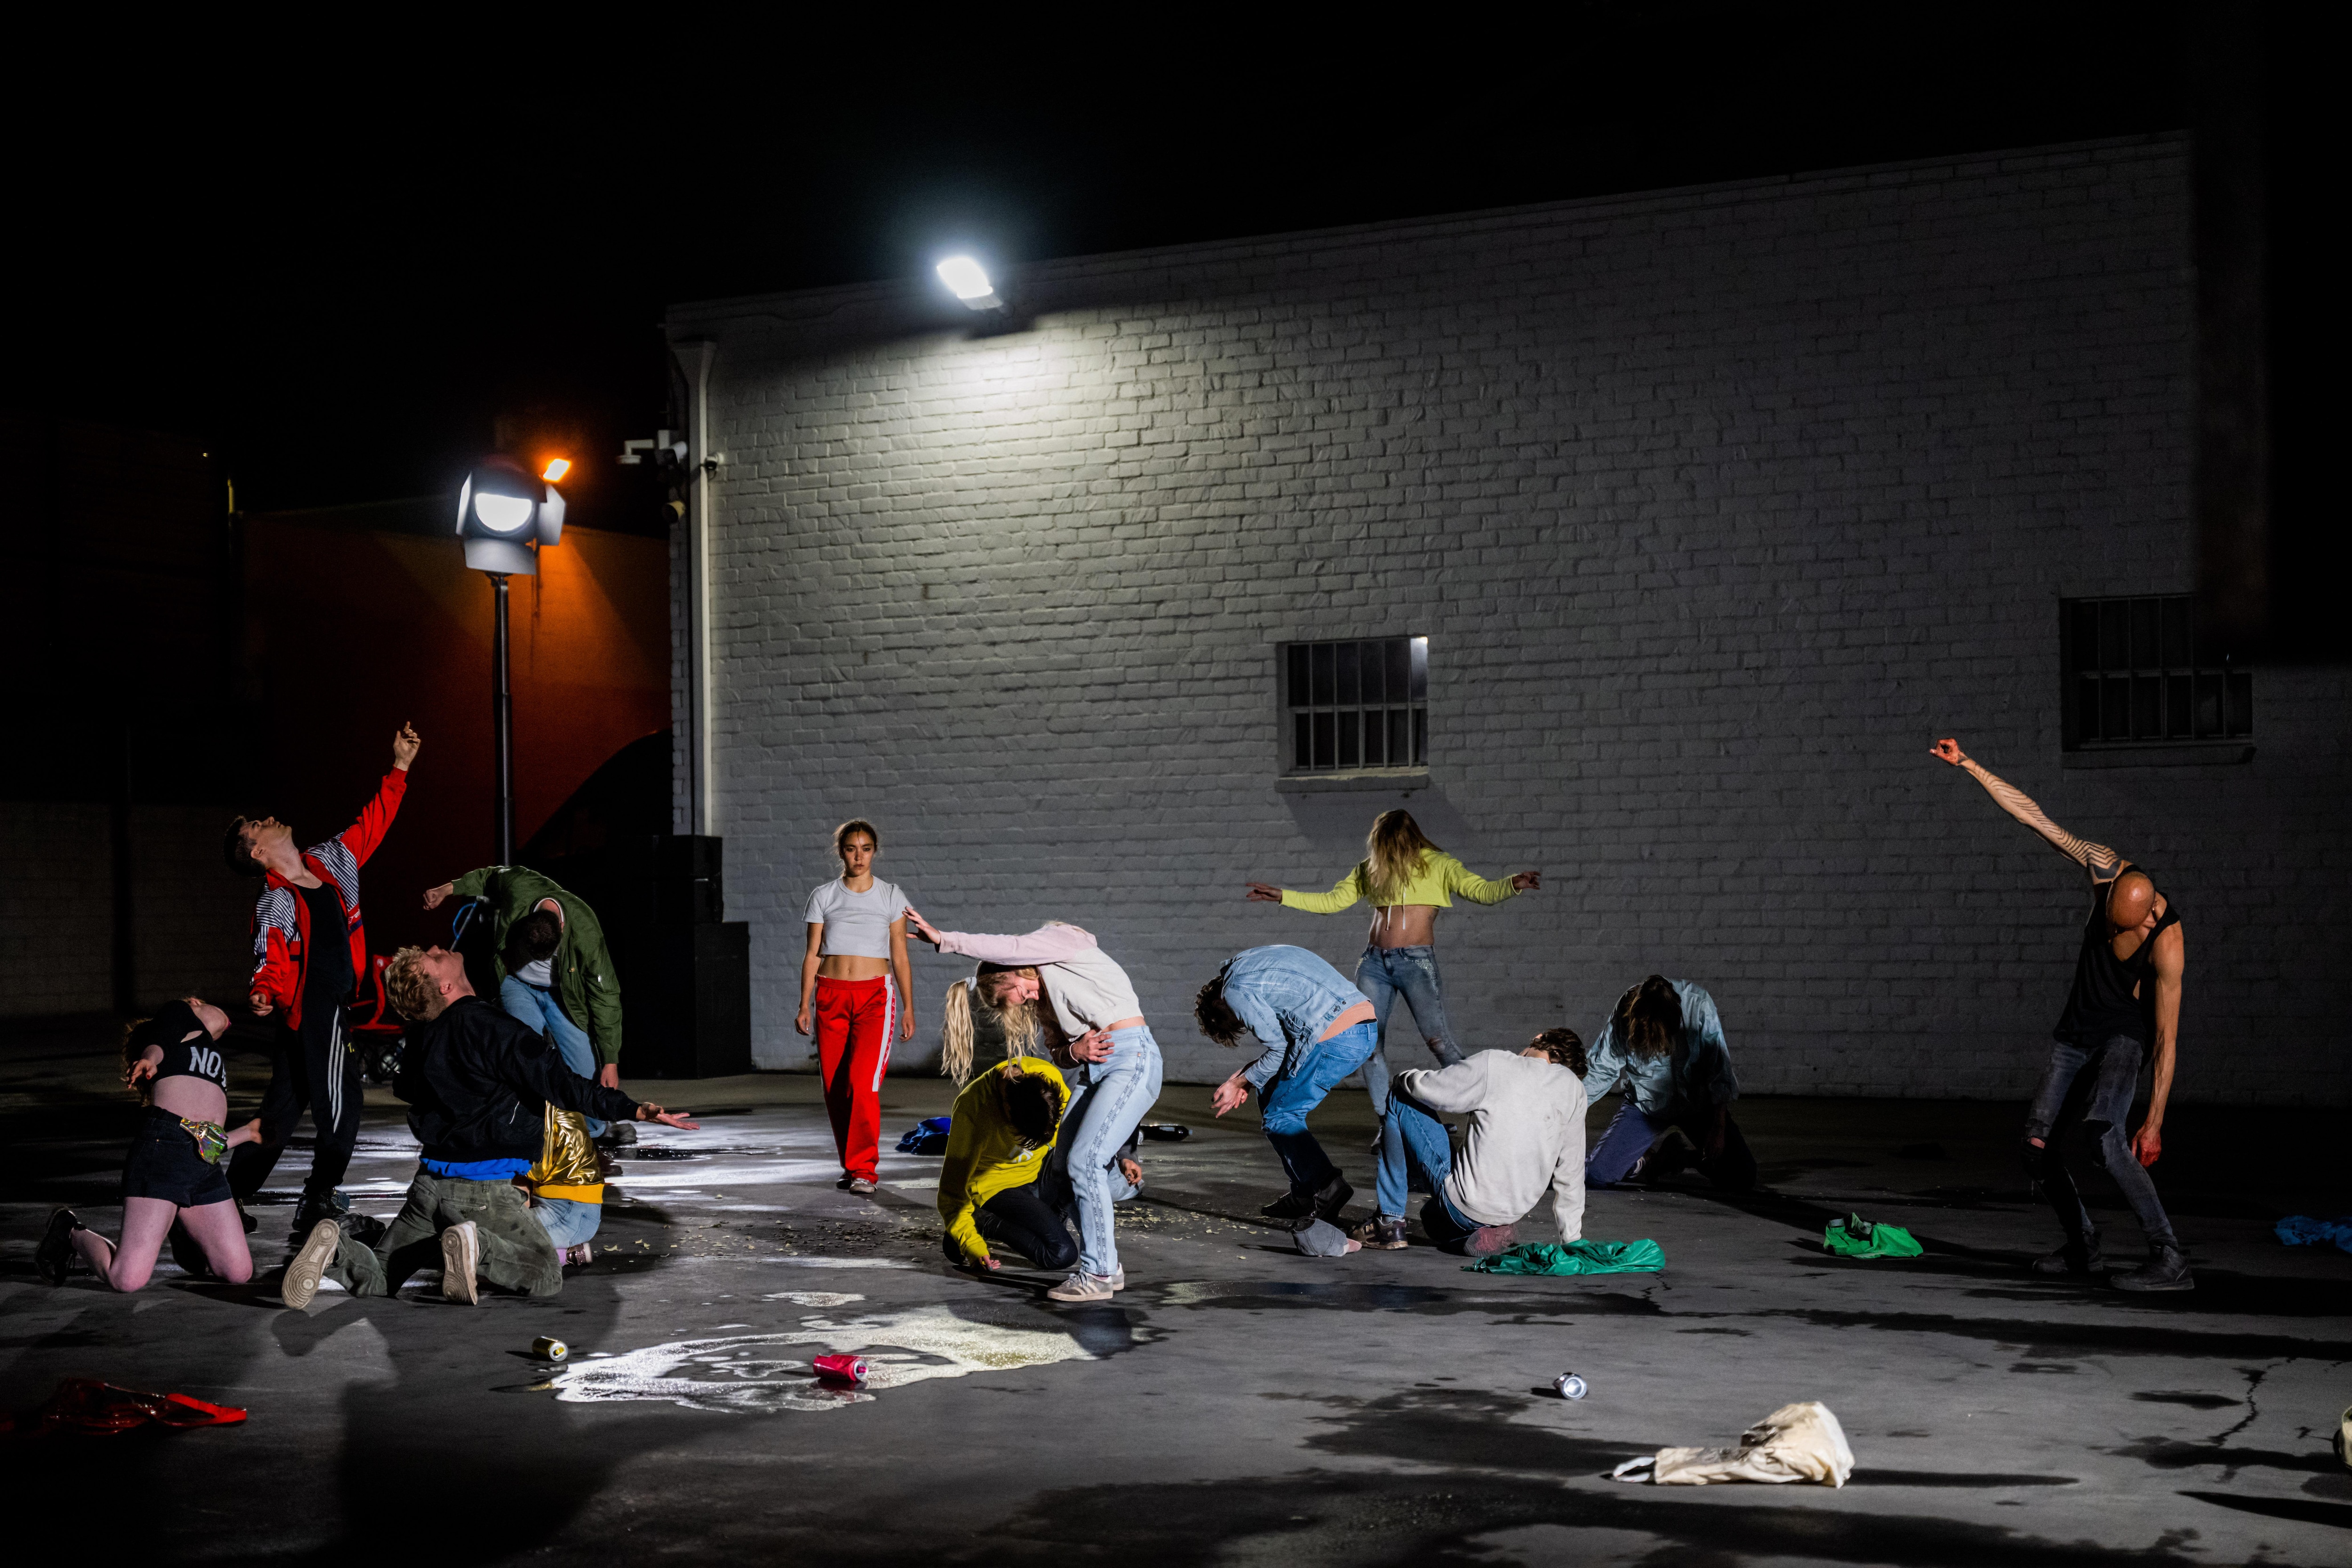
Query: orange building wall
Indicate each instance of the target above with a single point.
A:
(350, 632)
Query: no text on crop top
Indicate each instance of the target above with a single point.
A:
(856, 925)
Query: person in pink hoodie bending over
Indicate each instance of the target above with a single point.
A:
(1057, 984)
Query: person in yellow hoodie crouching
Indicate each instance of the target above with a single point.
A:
(1003, 1125)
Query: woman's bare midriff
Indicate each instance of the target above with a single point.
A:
(198, 1099)
(1404, 925)
(851, 966)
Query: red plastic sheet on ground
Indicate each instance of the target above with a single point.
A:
(84, 1406)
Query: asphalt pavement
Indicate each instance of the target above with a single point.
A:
(1238, 1403)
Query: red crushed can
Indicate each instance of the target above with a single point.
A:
(848, 1368)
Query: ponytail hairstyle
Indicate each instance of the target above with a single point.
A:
(856, 825)
(1650, 1018)
(1395, 850)
(1024, 1030)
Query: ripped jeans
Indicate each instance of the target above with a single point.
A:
(2090, 1087)
(1384, 974)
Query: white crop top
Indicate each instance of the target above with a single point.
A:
(856, 925)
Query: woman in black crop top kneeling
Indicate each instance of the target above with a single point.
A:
(174, 1170)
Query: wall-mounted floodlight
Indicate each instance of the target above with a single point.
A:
(503, 508)
(969, 282)
(556, 469)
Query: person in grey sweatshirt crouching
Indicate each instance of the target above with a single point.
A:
(1526, 1137)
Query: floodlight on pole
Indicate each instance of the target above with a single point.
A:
(506, 515)
(968, 281)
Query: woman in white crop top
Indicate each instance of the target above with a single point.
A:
(856, 945)
(1096, 1014)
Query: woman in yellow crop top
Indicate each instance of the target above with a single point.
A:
(1408, 880)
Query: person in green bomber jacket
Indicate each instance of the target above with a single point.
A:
(573, 996)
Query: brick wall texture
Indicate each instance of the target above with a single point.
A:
(1717, 506)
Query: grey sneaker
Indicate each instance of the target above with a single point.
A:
(1082, 1286)
(1118, 1278)
(861, 1185)
(461, 1254)
(310, 1265)
(2167, 1269)
(1383, 1232)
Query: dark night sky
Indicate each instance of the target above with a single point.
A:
(338, 276)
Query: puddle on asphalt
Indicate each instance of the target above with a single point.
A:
(741, 1373)
(814, 1297)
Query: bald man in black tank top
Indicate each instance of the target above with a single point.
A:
(2122, 1013)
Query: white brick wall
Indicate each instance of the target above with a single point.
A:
(1717, 507)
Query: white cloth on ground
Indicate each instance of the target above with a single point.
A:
(1799, 1442)
(1526, 1134)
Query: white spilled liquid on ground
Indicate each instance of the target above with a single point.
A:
(744, 1372)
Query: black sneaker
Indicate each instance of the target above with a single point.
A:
(1290, 1207)
(1331, 1198)
(2076, 1256)
(1381, 1233)
(313, 1209)
(363, 1228)
(245, 1217)
(54, 1255)
(618, 1135)
(2167, 1269)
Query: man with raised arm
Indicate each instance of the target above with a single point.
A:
(309, 949)
(2124, 1011)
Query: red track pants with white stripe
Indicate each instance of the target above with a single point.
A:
(855, 1021)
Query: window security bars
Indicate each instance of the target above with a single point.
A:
(2135, 675)
(1356, 704)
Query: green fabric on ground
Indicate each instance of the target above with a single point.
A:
(1855, 1236)
(1574, 1257)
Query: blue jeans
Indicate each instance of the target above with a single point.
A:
(1082, 1171)
(1283, 1104)
(1413, 1135)
(537, 1008)
(569, 1221)
(2090, 1087)
(1632, 1130)
(1384, 974)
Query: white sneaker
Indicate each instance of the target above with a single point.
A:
(310, 1265)
(461, 1253)
(1082, 1286)
(1118, 1278)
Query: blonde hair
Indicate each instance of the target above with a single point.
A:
(412, 995)
(1395, 850)
(1027, 1033)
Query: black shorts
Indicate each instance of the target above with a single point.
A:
(163, 1164)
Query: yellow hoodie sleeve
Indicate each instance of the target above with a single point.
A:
(956, 1172)
(1460, 878)
(1345, 891)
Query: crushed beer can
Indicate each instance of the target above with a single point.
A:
(845, 1368)
(549, 1349)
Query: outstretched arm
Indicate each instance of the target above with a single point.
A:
(2172, 960)
(2102, 862)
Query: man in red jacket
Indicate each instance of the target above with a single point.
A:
(309, 947)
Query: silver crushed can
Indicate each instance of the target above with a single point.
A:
(547, 1348)
(1570, 1386)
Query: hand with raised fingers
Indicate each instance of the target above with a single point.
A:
(404, 746)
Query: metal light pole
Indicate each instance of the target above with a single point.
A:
(506, 515)
(502, 722)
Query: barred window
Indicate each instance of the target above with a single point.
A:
(1356, 704)
(2135, 675)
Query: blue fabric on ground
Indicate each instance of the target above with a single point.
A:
(2302, 1230)
(928, 1136)
(1573, 1257)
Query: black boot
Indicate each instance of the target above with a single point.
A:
(316, 1206)
(1290, 1207)
(53, 1255)
(1331, 1197)
(2079, 1255)
(2167, 1269)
